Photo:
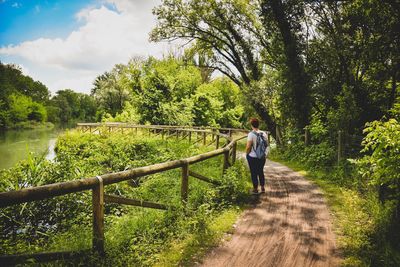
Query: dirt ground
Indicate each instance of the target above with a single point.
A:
(289, 225)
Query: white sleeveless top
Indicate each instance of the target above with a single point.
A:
(252, 137)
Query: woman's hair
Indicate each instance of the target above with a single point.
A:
(254, 122)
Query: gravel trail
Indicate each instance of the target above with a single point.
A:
(289, 225)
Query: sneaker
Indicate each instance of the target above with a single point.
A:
(262, 189)
(254, 192)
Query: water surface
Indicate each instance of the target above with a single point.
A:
(15, 145)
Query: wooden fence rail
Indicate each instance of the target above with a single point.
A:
(96, 184)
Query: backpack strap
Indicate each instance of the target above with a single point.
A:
(254, 146)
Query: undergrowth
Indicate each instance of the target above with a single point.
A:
(361, 221)
(133, 236)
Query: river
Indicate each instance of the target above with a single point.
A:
(15, 145)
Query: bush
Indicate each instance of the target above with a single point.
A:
(235, 185)
(64, 223)
(381, 166)
(380, 169)
(316, 156)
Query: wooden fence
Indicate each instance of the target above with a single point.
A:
(96, 184)
(347, 144)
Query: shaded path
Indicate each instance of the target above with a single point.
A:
(289, 226)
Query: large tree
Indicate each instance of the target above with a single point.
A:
(111, 89)
(246, 40)
(230, 29)
(287, 18)
(354, 60)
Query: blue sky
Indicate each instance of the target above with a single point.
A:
(66, 44)
(32, 19)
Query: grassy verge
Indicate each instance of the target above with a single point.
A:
(353, 216)
(133, 236)
(187, 251)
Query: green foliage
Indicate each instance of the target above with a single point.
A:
(171, 92)
(111, 89)
(297, 59)
(217, 104)
(346, 114)
(34, 222)
(22, 108)
(19, 107)
(234, 189)
(317, 128)
(22, 99)
(167, 87)
(128, 114)
(26, 103)
(37, 112)
(180, 113)
(14, 82)
(380, 166)
(318, 156)
(4, 115)
(64, 223)
(67, 107)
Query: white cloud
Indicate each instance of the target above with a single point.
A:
(106, 37)
(16, 5)
(25, 70)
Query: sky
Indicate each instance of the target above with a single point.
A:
(68, 43)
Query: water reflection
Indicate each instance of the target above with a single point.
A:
(15, 145)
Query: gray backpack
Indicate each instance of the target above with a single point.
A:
(261, 146)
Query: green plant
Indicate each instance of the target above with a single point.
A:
(134, 236)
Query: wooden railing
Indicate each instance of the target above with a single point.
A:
(96, 184)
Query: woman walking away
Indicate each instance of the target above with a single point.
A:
(256, 149)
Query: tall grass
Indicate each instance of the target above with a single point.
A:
(134, 236)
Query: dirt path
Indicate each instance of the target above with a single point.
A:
(289, 226)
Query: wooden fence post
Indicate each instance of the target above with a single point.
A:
(204, 138)
(340, 146)
(190, 137)
(185, 183)
(234, 153)
(217, 141)
(226, 160)
(98, 217)
(306, 137)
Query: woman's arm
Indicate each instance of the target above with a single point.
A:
(249, 144)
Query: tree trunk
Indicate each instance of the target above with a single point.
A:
(267, 118)
(393, 91)
(297, 76)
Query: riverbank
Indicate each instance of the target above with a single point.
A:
(30, 125)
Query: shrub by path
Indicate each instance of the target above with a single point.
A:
(290, 225)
